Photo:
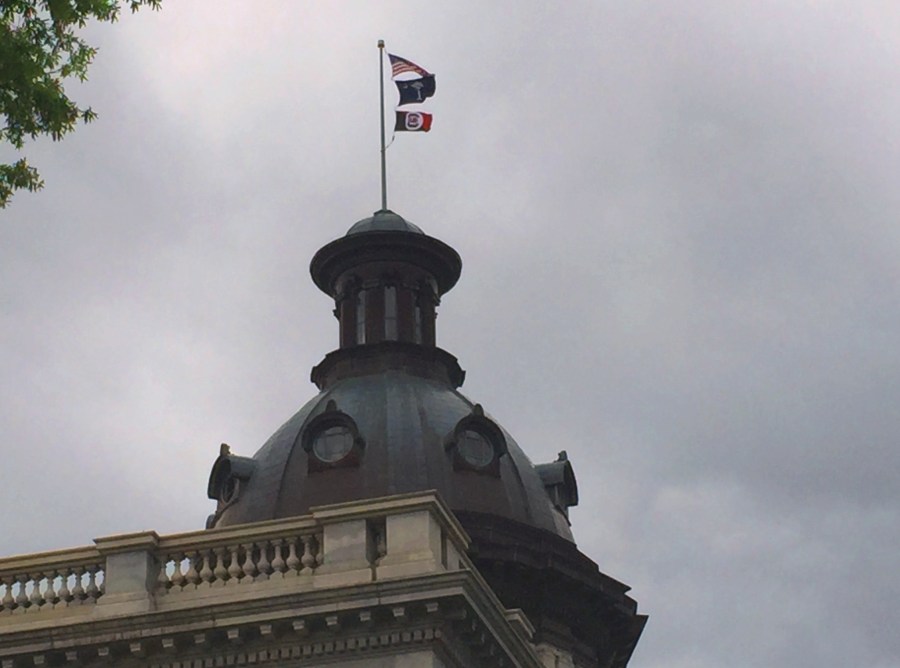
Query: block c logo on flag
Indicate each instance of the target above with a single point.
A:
(412, 121)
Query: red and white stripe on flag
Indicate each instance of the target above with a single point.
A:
(400, 65)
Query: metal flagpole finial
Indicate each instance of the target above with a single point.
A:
(381, 44)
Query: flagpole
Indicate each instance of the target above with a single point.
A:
(383, 162)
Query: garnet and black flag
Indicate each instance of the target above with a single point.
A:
(412, 121)
(415, 91)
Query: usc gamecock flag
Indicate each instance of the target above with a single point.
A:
(412, 121)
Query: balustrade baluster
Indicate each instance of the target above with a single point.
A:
(177, 577)
(35, 598)
(49, 595)
(249, 565)
(308, 560)
(206, 573)
(320, 553)
(63, 593)
(192, 576)
(7, 602)
(92, 591)
(293, 561)
(234, 568)
(220, 571)
(21, 596)
(263, 565)
(278, 565)
(78, 589)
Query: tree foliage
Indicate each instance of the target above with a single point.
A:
(39, 49)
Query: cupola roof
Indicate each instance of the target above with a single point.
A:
(385, 237)
(384, 220)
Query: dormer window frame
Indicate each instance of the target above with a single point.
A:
(483, 428)
(318, 427)
(559, 483)
(229, 474)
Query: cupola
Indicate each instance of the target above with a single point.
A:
(386, 277)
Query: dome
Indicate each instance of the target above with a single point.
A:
(405, 423)
(384, 221)
(389, 419)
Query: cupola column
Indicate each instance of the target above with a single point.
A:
(345, 311)
(427, 314)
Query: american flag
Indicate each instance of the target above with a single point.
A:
(400, 65)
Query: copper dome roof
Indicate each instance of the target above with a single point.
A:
(398, 396)
(405, 420)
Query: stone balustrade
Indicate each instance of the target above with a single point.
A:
(62, 579)
(345, 544)
(238, 559)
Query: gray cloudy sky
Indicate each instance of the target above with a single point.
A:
(679, 226)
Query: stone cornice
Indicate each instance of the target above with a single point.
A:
(456, 597)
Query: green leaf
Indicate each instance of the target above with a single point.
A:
(39, 49)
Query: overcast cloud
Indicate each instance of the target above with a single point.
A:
(679, 229)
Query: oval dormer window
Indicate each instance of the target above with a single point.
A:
(333, 444)
(332, 440)
(476, 444)
(475, 449)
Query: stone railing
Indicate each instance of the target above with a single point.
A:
(333, 546)
(49, 581)
(188, 563)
